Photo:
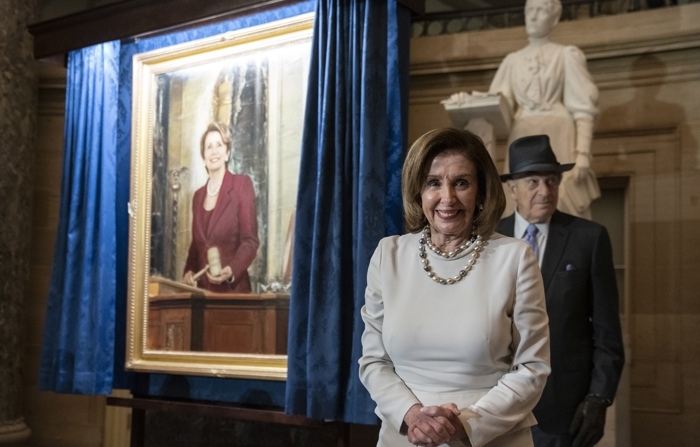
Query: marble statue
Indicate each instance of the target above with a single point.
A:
(550, 91)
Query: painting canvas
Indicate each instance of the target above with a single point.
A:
(186, 302)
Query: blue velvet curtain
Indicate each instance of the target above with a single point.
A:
(349, 197)
(78, 345)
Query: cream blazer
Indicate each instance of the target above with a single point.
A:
(482, 343)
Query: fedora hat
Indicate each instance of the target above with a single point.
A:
(532, 154)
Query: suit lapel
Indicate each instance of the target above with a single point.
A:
(222, 203)
(556, 241)
(198, 214)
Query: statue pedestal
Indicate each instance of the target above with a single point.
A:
(488, 116)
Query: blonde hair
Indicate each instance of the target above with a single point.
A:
(416, 167)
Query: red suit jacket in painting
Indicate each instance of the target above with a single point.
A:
(233, 228)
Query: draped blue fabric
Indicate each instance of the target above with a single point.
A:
(78, 345)
(348, 199)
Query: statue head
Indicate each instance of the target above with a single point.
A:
(541, 16)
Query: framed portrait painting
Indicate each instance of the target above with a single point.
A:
(216, 140)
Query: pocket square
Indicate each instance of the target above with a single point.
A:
(570, 267)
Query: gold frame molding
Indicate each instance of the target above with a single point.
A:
(147, 66)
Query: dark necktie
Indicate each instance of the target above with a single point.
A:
(531, 238)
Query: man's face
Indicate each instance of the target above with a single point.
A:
(536, 195)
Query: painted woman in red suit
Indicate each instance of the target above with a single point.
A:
(224, 221)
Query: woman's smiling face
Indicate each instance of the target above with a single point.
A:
(449, 195)
(215, 152)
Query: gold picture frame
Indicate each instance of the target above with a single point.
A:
(177, 328)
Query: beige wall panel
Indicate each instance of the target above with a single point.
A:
(62, 420)
(690, 327)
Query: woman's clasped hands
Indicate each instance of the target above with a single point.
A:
(434, 425)
(225, 275)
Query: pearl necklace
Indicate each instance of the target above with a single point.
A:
(437, 251)
(477, 241)
(213, 192)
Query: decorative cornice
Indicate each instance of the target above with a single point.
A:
(136, 18)
(604, 37)
(52, 89)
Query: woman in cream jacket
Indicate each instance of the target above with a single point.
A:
(456, 342)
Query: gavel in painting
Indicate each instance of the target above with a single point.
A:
(214, 264)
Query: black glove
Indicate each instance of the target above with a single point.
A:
(589, 421)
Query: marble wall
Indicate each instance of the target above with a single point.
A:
(17, 129)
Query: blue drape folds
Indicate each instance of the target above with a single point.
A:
(349, 197)
(78, 345)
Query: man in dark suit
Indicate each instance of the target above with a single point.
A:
(575, 256)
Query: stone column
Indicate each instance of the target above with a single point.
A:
(18, 94)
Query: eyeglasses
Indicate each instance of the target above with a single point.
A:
(534, 182)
